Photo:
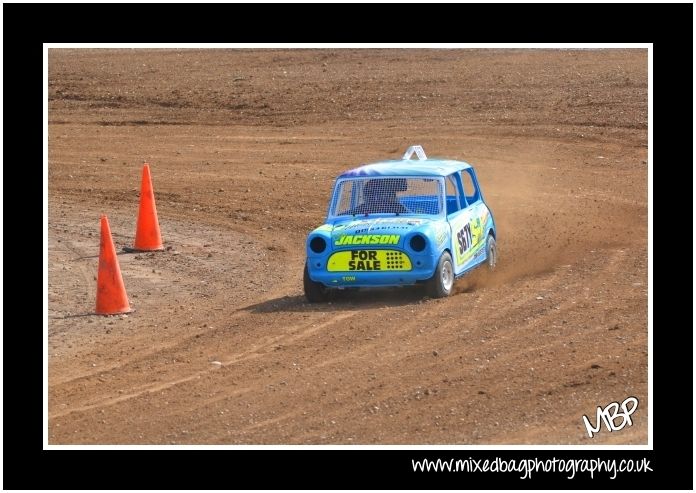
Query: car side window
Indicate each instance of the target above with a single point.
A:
(470, 187)
(453, 195)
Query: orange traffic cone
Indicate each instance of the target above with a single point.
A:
(111, 294)
(147, 231)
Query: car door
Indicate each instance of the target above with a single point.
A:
(458, 217)
(480, 220)
(468, 224)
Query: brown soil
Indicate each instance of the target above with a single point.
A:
(244, 146)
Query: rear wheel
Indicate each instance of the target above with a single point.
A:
(491, 252)
(440, 285)
(315, 292)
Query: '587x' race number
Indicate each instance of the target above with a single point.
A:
(464, 238)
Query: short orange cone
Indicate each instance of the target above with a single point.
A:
(147, 231)
(111, 294)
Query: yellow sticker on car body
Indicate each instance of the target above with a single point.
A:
(368, 260)
(367, 240)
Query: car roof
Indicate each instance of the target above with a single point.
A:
(408, 167)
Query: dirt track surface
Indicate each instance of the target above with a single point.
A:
(244, 147)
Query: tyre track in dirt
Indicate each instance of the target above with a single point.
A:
(178, 349)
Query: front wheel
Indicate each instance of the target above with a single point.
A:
(440, 285)
(315, 292)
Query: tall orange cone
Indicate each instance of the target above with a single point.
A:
(111, 294)
(147, 231)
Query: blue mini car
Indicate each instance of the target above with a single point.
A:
(396, 223)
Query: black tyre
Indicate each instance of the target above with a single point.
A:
(315, 292)
(491, 252)
(440, 285)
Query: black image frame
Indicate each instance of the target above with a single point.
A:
(669, 27)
